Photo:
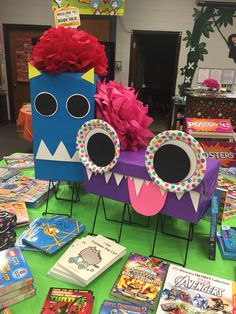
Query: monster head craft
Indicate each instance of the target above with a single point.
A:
(170, 174)
(63, 71)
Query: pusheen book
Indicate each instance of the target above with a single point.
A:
(23, 156)
(141, 280)
(6, 174)
(71, 301)
(50, 235)
(189, 292)
(22, 188)
(225, 254)
(19, 209)
(14, 271)
(19, 298)
(58, 272)
(121, 308)
(229, 238)
(88, 257)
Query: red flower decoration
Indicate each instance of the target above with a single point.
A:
(69, 50)
(211, 83)
(118, 105)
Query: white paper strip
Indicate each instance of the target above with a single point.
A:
(179, 195)
(195, 199)
(89, 173)
(138, 184)
(107, 176)
(118, 177)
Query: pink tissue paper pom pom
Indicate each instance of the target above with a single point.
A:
(118, 105)
(211, 83)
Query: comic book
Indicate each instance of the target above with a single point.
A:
(14, 271)
(88, 257)
(190, 292)
(63, 300)
(19, 209)
(229, 238)
(51, 234)
(141, 280)
(6, 174)
(22, 188)
(121, 308)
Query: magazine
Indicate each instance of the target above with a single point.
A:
(19, 209)
(141, 280)
(121, 308)
(189, 292)
(63, 300)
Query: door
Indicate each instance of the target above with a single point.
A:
(153, 71)
(18, 45)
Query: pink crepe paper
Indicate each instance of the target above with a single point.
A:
(211, 83)
(118, 105)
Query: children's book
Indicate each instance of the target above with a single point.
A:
(7, 239)
(19, 209)
(189, 292)
(225, 254)
(141, 280)
(20, 165)
(23, 245)
(229, 238)
(63, 300)
(22, 188)
(88, 257)
(109, 307)
(15, 293)
(19, 298)
(14, 271)
(6, 174)
(213, 227)
(7, 221)
(23, 156)
(51, 234)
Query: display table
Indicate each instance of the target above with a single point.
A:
(135, 239)
(215, 107)
(24, 124)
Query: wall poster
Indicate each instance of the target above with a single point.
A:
(23, 52)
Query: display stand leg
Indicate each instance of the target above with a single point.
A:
(74, 192)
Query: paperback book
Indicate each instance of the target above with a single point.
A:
(141, 280)
(51, 234)
(189, 292)
(6, 174)
(7, 221)
(229, 238)
(19, 209)
(109, 307)
(20, 165)
(87, 258)
(22, 188)
(224, 253)
(23, 156)
(19, 298)
(63, 300)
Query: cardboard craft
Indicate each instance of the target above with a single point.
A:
(60, 105)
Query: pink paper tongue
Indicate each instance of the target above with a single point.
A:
(149, 200)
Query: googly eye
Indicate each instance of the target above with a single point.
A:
(175, 161)
(78, 106)
(98, 146)
(46, 104)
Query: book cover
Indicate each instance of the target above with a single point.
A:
(23, 245)
(14, 271)
(6, 174)
(229, 238)
(225, 254)
(49, 235)
(19, 209)
(22, 188)
(71, 301)
(7, 239)
(188, 292)
(141, 280)
(88, 257)
(109, 307)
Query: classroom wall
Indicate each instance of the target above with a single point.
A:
(159, 15)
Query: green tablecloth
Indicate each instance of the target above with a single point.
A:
(134, 238)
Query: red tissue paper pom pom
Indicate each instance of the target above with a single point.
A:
(69, 50)
(118, 105)
(211, 83)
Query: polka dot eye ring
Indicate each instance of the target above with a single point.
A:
(175, 161)
(98, 146)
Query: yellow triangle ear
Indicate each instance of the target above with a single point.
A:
(89, 76)
(33, 72)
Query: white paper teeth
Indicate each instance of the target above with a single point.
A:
(179, 195)
(147, 182)
(163, 192)
(107, 175)
(61, 153)
(138, 184)
(118, 178)
(195, 196)
(89, 173)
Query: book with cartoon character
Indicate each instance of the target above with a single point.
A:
(110, 307)
(87, 258)
(141, 280)
(187, 291)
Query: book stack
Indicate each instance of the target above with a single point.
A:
(6, 174)
(63, 300)
(7, 230)
(22, 188)
(141, 280)
(19, 209)
(86, 259)
(227, 242)
(16, 280)
(19, 162)
(49, 234)
(188, 291)
(121, 308)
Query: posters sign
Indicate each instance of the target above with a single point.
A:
(67, 17)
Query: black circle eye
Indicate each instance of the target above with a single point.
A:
(171, 169)
(78, 106)
(46, 104)
(101, 157)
